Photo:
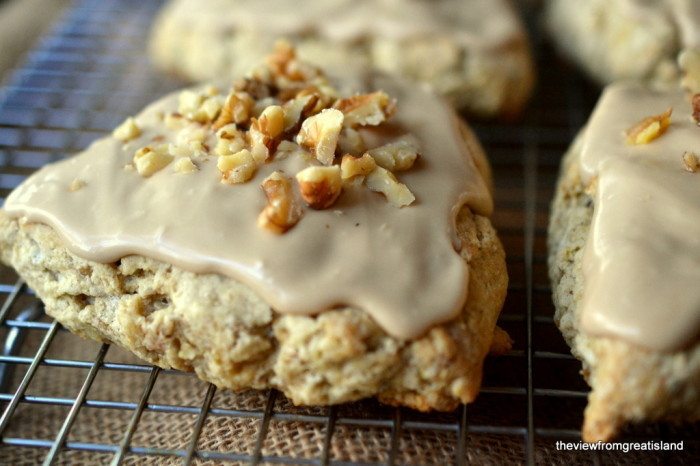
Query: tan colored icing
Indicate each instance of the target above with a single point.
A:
(642, 259)
(480, 23)
(400, 265)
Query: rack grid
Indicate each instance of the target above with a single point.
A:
(68, 401)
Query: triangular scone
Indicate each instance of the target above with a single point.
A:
(624, 259)
(285, 234)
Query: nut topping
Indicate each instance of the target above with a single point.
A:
(237, 168)
(236, 109)
(282, 211)
(696, 108)
(649, 128)
(351, 167)
(691, 162)
(383, 181)
(127, 131)
(398, 155)
(184, 165)
(320, 186)
(148, 160)
(283, 110)
(366, 109)
(319, 133)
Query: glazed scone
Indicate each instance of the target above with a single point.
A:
(474, 52)
(284, 234)
(625, 39)
(624, 259)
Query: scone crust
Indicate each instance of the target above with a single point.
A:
(609, 44)
(220, 329)
(484, 83)
(630, 384)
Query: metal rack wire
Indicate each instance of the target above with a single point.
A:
(82, 79)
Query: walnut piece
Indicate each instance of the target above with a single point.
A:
(383, 181)
(366, 109)
(295, 108)
(237, 108)
(76, 185)
(282, 211)
(649, 128)
(188, 102)
(691, 162)
(127, 131)
(320, 132)
(351, 167)
(184, 165)
(320, 186)
(351, 142)
(237, 168)
(271, 121)
(149, 160)
(397, 155)
(696, 108)
(175, 121)
(229, 140)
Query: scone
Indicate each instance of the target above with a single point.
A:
(475, 52)
(625, 258)
(625, 39)
(334, 244)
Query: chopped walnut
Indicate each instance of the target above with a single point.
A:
(691, 162)
(76, 185)
(320, 186)
(149, 160)
(271, 121)
(319, 133)
(351, 167)
(288, 149)
(696, 108)
(397, 155)
(323, 97)
(383, 181)
(184, 165)
(209, 110)
(237, 168)
(175, 121)
(212, 90)
(295, 108)
(192, 132)
(282, 211)
(237, 109)
(366, 109)
(649, 128)
(189, 102)
(192, 148)
(127, 131)
(351, 142)
(286, 68)
(229, 140)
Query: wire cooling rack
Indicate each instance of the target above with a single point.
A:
(68, 401)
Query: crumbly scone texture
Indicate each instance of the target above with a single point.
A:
(610, 44)
(485, 83)
(629, 384)
(220, 329)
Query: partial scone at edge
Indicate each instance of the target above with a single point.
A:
(488, 83)
(228, 335)
(630, 384)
